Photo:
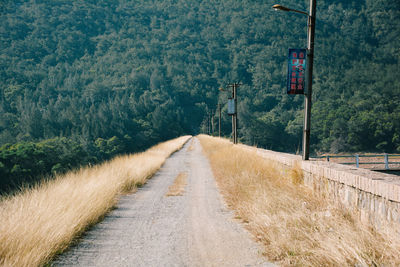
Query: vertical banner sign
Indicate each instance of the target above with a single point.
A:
(296, 71)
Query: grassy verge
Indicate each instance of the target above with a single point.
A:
(295, 227)
(38, 223)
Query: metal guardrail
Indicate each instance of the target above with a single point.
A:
(358, 163)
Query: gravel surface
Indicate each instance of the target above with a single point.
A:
(150, 229)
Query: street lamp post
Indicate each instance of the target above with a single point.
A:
(310, 61)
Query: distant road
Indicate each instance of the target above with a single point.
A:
(151, 229)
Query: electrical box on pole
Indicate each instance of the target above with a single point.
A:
(231, 107)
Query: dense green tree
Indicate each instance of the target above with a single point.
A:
(145, 71)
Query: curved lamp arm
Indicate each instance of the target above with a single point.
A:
(283, 8)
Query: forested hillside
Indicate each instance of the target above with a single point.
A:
(139, 72)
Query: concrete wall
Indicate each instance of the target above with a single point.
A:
(374, 196)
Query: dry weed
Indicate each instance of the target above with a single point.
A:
(38, 223)
(296, 173)
(191, 146)
(177, 188)
(296, 227)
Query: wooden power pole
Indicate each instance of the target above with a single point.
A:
(219, 120)
(234, 116)
(212, 121)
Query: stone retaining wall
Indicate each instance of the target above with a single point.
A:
(374, 196)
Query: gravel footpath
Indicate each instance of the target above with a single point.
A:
(150, 229)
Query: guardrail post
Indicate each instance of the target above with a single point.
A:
(357, 161)
(386, 161)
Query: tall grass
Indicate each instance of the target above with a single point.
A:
(40, 222)
(296, 227)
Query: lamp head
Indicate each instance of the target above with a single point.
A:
(279, 7)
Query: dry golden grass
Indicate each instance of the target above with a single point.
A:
(296, 174)
(38, 223)
(177, 188)
(295, 227)
(191, 148)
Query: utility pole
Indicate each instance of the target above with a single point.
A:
(234, 116)
(209, 124)
(232, 109)
(310, 63)
(219, 120)
(212, 122)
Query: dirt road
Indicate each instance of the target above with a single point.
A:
(149, 228)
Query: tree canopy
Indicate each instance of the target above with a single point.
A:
(146, 71)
